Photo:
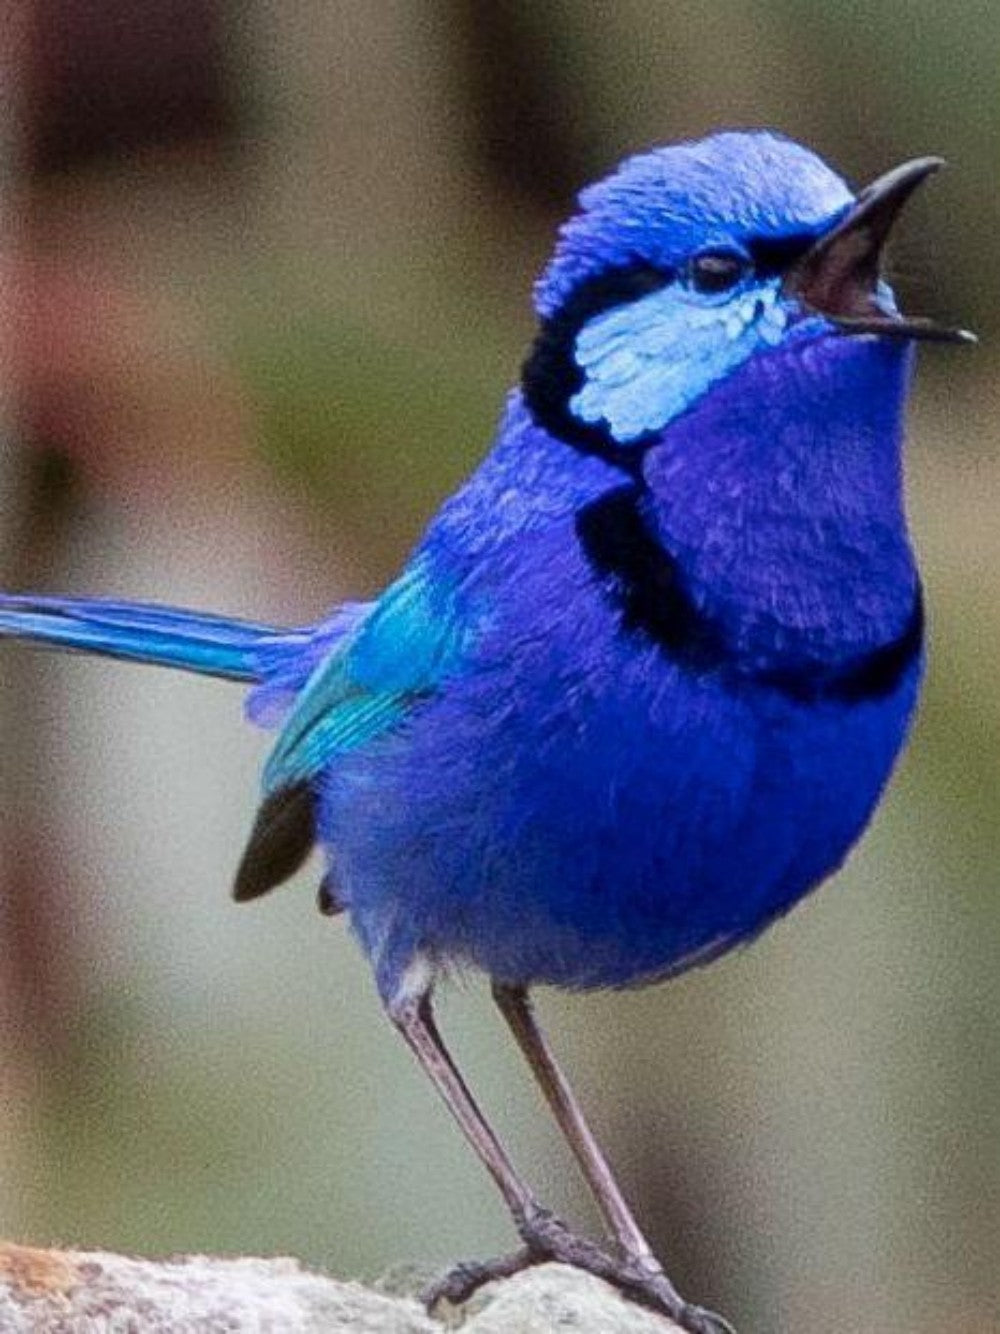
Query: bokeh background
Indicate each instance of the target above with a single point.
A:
(264, 276)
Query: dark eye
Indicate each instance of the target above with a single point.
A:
(717, 271)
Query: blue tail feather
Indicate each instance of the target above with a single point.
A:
(142, 632)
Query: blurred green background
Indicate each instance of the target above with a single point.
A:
(265, 277)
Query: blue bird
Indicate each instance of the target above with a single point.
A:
(642, 682)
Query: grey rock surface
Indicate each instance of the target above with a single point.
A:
(554, 1299)
(94, 1292)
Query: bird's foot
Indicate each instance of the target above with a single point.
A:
(547, 1239)
(461, 1281)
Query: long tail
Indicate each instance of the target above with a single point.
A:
(139, 632)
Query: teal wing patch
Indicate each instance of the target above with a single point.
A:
(413, 638)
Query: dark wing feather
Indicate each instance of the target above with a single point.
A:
(280, 842)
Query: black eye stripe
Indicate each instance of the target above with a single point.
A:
(773, 255)
(551, 376)
(613, 287)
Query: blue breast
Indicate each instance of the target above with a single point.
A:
(592, 802)
(600, 817)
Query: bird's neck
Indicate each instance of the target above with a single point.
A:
(779, 500)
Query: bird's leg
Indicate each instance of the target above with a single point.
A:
(642, 1274)
(545, 1237)
(516, 1008)
(542, 1234)
(414, 1018)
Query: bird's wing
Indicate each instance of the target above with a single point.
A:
(413, 638)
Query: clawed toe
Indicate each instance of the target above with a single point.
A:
(547, 1239)
(696, 1320)
(459, 1283)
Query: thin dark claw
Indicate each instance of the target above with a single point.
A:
(459, 1283)
(547, 1239)
(697, 1320)
(655, 1290)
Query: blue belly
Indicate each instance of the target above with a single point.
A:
(605, 833)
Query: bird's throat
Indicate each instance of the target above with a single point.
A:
(784, 525)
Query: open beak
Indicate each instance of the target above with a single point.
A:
(839, 277)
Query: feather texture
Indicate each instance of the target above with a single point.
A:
(192, 641)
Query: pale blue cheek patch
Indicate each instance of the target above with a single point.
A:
(646, 362)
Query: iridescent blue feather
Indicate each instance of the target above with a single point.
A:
(406, 645)
(643, 681)
(140, 632)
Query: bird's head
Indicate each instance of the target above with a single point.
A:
(691, 260)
